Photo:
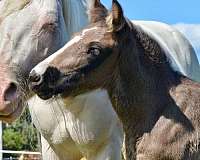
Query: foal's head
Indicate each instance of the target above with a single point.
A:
(89, 60)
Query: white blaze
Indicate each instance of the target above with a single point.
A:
(41, 67)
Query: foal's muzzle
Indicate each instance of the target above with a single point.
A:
(44, 85)
(35, 78)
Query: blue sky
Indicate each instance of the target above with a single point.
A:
(184, 14)
(169, 11)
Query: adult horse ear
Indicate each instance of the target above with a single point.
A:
(116, 19)
(97, 11)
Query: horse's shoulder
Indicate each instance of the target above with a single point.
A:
(186, 95)
(187, 86)
(179, 124)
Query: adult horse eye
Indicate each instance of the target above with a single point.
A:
(51, 26)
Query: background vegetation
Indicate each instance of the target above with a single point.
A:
(21, 135)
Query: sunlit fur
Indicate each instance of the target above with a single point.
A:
(40, 110)
(32, 30)
(157, 104)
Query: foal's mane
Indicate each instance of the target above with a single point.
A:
(153, 50)
(8, 7)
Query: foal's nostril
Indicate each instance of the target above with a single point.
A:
(34, 77)
(10, 93)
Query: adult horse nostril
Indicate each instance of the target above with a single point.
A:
(34, 77)
(10, 93)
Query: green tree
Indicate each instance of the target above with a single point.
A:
(13, 140)
(21, 135)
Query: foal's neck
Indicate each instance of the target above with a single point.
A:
(141, 78)
(141, 90)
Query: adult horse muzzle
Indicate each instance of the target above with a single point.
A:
(11, 104)
(11, 95)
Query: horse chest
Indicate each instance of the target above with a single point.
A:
(59, 125)
(81, 123)
(49, 120)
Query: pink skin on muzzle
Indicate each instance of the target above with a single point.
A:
(9, 106)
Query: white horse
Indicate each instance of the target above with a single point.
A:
(84, 126)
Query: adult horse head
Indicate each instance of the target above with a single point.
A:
(30, 31)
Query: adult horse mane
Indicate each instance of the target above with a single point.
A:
(75, 14)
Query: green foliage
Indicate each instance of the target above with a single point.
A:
(21, 135)
(13, 140)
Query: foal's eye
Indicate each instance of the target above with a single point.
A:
(95, 51)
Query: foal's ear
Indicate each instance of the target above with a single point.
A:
(97, 11)
(116, 19)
